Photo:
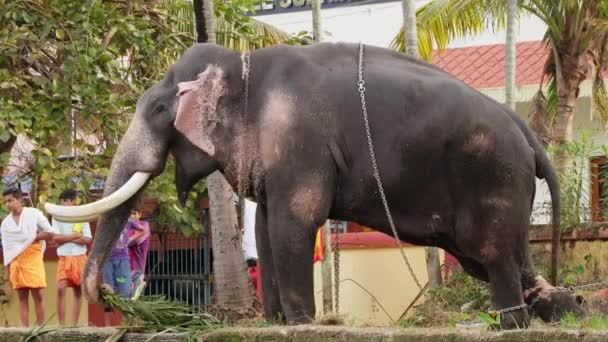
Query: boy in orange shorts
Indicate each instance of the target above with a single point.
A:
(72, 251)
(24, 234)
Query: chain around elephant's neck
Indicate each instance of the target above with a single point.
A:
(242, 174)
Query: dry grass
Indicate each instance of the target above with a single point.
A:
(443, 305)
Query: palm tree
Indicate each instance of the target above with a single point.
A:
(511, 53)
(409, 23)
(201, 18)
(233, 291)
(576, 37)
(316, 20)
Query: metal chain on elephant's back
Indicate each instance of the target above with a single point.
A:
(242, 179)
(361, 89)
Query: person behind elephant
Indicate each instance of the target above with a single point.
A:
(139, 241)
(117, 270)
(72, 240)
(24, 234)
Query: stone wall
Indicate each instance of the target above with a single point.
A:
(319, 333)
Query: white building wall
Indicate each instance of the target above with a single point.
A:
(377, 24)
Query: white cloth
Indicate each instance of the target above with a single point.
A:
(17, 237)
(71, 249)
(248, 242)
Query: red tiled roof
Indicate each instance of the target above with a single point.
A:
(484, 66)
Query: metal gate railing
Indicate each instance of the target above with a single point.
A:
(179, 267)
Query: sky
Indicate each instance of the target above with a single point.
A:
(377, 24)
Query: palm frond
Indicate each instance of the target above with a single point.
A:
(551, 15)
(537, 119)
(441, 21)
(262, 35)
(154, 314)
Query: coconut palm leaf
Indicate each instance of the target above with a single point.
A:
(441, 21)
(570, 32)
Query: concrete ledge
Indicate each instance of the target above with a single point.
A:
(319, 333)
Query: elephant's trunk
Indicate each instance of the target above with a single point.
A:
(108, 231)
(139, 152)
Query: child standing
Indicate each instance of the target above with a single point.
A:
(72, 252)
(139, 241)
(117, 270)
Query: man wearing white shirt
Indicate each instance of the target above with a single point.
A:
(72, 239)
(24, 233)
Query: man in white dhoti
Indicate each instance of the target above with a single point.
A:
(24, 233)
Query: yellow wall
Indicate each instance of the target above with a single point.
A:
(383, 273)
(9, 313)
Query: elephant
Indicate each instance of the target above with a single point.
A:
(284, 125)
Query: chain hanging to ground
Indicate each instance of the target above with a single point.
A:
(336, 267)
(361, 89)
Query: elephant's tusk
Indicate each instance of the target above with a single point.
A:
(76, 219)
(90, 210)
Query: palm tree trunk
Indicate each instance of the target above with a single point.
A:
(232, 289)
(410, 28)
(316, 21)
(433, 265)
(209, 20)
(326, 263)
(562, 132)
(511, 53)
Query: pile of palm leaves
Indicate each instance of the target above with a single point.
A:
(159, 315)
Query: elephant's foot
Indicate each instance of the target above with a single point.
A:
(299, 318)
(519, 319)
(505, 287)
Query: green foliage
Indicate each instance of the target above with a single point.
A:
(575, 195)
(593, 322)
(488, 320)
(94, 59)
(186, 219)
(160, 315)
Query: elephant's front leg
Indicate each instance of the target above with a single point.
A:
(270, 286)
(295, 210)
(292, 247)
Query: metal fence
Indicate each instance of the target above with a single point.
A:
(179, 267)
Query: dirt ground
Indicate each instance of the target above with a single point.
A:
(318, 333)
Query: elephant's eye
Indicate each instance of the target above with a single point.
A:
(159, 108)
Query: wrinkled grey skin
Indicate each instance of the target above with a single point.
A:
(458, 168)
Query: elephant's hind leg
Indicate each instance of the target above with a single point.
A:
(503, 252)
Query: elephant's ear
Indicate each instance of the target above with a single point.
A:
(197, 107)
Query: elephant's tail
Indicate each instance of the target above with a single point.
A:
(544, 170)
